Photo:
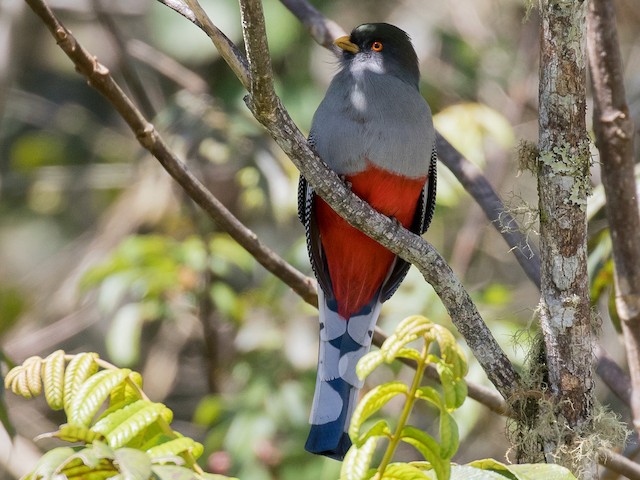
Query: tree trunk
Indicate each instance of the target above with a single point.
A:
(563, 186)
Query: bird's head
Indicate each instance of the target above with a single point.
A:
(382, 48)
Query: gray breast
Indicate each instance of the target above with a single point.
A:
(376, 117)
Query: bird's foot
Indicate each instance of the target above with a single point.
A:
(346, 182)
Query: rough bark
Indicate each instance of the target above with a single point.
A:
(563, 186)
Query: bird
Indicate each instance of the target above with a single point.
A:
(375, 130)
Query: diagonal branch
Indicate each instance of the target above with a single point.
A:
(324, 31)
(192, 11)
(99, 78)
(304, 286)
(268, 110)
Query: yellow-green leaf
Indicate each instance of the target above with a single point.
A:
(127, 392)
(428, 448)
(357, 461)
(373, 401)
(133, 424)
(33, 375)
(115, 415)
(403, 471)
(79, 368)
(50, 461)
(53, 378)
(133, 464)
(176, 447)
(449, 440)
(92, 394)
(73, 433)
(379, 429)
(369, 363)
(430, 395)
(102, 471)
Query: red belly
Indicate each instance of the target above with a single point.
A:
(358, 264)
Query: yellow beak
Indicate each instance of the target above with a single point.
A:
(345, 44)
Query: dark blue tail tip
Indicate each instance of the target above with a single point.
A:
(328, 440)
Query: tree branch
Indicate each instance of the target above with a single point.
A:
(614, 131)
(358, 213)
(478, 186)
(322, 29)
(192, 11)
(98, 77)
(563, 185)
(468, 174)
(301, 284)
(619, 464)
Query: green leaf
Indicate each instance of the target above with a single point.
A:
(73, 433)
(126, 393)
(449, 440)
(410, 353)
(133, 464)
(176, 447)
(450, 351)
(80, 367)
(464, 472)
(369, 363)
(53, 378)
(540, 470)
(91, 457)
(431, 395)
(403, 471)
(454, 389)
(379, 429)
(76, 470)
(92, 394)
(532, 471)
(428, 448)
(51, 460)
(116, 415)
(373, 401)
(357, 461)
(174, 472)
(410, 329)
(131, 425)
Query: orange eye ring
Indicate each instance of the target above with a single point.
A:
(376, 46)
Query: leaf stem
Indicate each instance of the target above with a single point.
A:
(406, 411)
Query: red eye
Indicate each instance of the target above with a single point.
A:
(376, 46)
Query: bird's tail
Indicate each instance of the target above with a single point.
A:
(342, 344)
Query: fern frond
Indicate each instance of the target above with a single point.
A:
(53, 379)
(92, 394)
(134, 423)
(79, 369)
(176, 447)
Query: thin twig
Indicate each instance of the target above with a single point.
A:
(322, 29)
(167, 66)
(128, 71)
(619, 463)
(192, 11)
(478, 186)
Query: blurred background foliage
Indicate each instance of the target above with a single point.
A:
(100, 251)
